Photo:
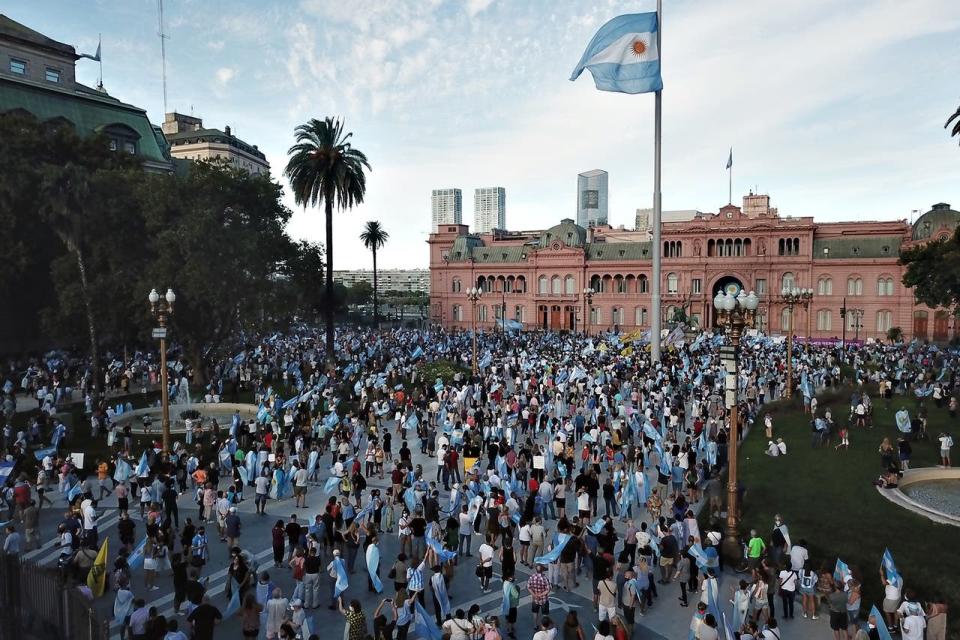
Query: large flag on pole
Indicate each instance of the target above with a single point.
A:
(730, 159)
(624, 56)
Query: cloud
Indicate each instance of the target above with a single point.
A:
(477, 6)
(216, 45)
(224, 75)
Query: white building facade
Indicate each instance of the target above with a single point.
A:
(446, 207)
(489, 209)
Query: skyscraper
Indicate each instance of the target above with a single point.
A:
(592, 198)
(489, 209)
(447, 207)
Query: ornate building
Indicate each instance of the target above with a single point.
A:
(537, 278)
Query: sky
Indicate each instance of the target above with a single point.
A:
(833, 107)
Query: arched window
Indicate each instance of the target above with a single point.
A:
(481, 313)
(489, 285)
(643, 284)
(481, 283)
(456, 285)
(619, 284)
(737, 247)
(555, 285)
(711, 248)
(679, 249)
(673, 283)
(520, 285)
(884, 321)
(825, 286)
(787, 281)
(569, 285)
(543, 285)
(457, 313)
(884, 286)
(595, 283)
(785, 319)
(824, 320)
(854, 286)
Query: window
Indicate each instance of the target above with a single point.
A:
(825, 286)
(18, 67)
(884, 321)
(543, 285)
(885, 286)
(457, 313)
(594, 316)
(52, 75)
(619, 284)
(569, 285)
(785, 319)
(823, 320)
(555, 285)
(518, 313)
(854, 320)
(854, 286)
(673, 283)
(696, 285)
(617, 316)
(482, 313)
(456, 285)
(787, 281)
(761, 286)
(640, 316)
(644, 284)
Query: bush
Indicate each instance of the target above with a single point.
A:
(443, 369)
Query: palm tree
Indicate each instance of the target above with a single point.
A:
(374, 236)
(956, 126)
(324, 167)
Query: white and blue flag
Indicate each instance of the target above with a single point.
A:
(623, 56)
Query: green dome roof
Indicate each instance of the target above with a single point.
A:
(567, 232)
(939, 217)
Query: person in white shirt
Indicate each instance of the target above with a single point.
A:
(913, 627)
(798, 555)
(546, 631)
(524, 542)
(945, 443)
(772, 449)
(486, 565)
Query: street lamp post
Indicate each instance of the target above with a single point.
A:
(792, 298)
(162, 310)
(473, 295)
(857, 317)
(734, 313)
(587, 308)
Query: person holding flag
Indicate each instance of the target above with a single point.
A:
(97, 577)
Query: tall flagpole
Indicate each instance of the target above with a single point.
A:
(730, 178)
(655, 289)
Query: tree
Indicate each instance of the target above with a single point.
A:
(360, 292)
(933, 271)
(894, 334)
(955, 132)
(374, 236)
(217, 237)
(324, 168)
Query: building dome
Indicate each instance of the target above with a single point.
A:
(940, 217)
(567, 232)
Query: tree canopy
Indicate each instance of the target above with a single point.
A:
(86, 234)
(933, 271)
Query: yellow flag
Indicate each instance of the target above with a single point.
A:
(97, 578)
(627, 351)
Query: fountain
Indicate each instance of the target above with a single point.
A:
(933, 492)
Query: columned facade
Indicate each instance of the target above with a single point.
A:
(537, 278)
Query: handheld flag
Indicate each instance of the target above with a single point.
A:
(234, 605)
(891, 569)
(373, 564)
(623, 56)
(97, 578)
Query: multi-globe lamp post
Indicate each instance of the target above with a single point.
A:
(794, 297)
(473, 295)
(735, 313)
(162, 310)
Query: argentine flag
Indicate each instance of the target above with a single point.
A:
(623, 56)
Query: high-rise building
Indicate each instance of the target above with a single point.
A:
(402, 280)
(489, 209)
(592, 198)
(446, 206)
(190, 141)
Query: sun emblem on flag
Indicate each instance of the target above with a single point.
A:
(639, 48)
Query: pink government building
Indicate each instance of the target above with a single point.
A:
(537, 277)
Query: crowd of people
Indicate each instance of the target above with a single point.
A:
(564, 457)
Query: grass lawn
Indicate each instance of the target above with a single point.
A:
(827, 498)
